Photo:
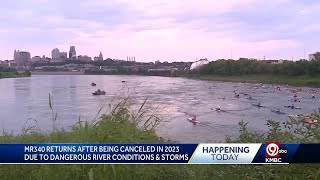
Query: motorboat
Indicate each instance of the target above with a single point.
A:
(93, 84)
(98, 92)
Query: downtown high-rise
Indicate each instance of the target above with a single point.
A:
(72, 52)
(55, 53)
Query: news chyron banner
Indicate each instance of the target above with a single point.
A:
(269, 153)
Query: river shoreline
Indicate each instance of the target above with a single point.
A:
(6, 75)
(297, 81)
(57, 73)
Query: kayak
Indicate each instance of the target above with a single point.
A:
(275, 111)
(190, 120)
(99, 93)
(257, 105)
(294, 100)
(310, 121)
(292, 107)
(220, 110)
(300, 115)
(252, 99)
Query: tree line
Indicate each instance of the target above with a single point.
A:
(246, 67)
(7, 69)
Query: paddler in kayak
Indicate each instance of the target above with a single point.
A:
(310, 121)
(257, 105)
(194, 120)
(292, 106)
(295, 100)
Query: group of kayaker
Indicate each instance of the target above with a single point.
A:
(259, 105)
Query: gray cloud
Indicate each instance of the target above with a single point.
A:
(60, 21)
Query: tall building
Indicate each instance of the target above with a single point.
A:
(63, 55)
(72, 52)
(16, 56)
(98, 58)
(101, 56)
(55, 53)
(24, 56)
(21, 57)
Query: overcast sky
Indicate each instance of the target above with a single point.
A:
(164, 29)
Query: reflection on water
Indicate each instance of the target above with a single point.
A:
(175, 98)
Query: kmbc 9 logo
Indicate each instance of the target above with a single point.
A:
(273, 150)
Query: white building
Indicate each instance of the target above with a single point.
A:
(199, 64)
(21, 57)
(131, 58)
(55, 53)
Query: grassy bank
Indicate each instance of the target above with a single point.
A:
(14, 74)
(121, 126)
(311, 81)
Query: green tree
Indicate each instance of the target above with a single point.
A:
(317, 56)
(245, 66)
(28, 73)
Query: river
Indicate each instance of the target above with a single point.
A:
(176, 99)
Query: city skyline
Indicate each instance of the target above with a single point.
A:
(150, 30)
